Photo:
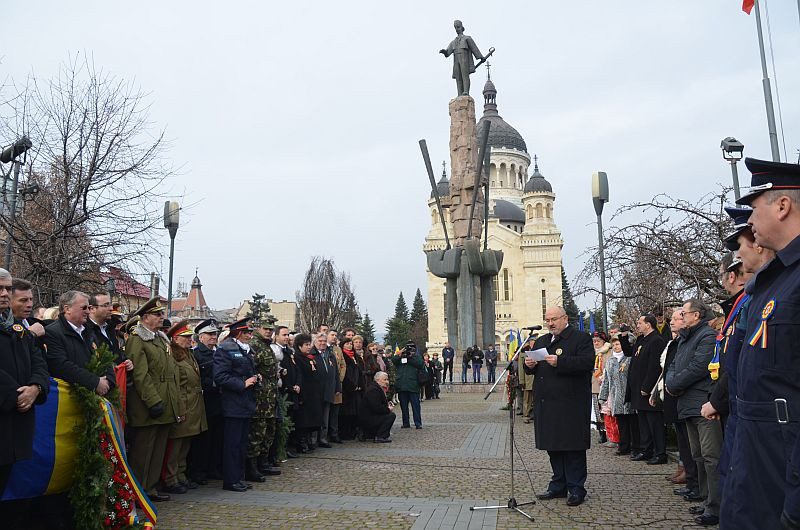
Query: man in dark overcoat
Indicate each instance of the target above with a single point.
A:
(562, 398)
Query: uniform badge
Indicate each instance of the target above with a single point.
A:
(559, 351)
(18, 328)
(761, 333)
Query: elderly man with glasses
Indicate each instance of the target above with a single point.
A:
(689, 380)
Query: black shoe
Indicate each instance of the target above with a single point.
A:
(382, 440)
(251, 471)
(336, 439)
(547, 495)
(694, 497)
(262, 464)
(405, 426)
(245, 484)
(640, 457)
(238, 487)
(575, 500)
(175, 489)
(418, 426)
(656, 460)
(290, 454)
(706, 520)
(326, 445)
(682, 491)
(622, 453)
(697, 510)
(159, 497)
(190, 484)
(271, 471)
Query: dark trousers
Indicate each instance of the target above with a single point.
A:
(378, 426)
(427, 390)
(652, 433)
(464, 370)
(205, 456)
(413, 397)
(628, 433)
(476, 373)
(491, 378)
(236, 432)
(448, 365)
(146, 456)
(569, 472)
(685, 452)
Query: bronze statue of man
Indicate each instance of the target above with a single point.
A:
(464, 49)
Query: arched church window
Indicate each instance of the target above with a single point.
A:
(539, 211)
(549, 211)
(529, 211)
(434, 216)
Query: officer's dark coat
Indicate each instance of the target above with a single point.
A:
(562, 395)
(68, 353)
(290, 376)
(331, 383)
(232, 366)
(764, 475)
(312, 376)
(21, 364)
(212, 395)
(645, 368)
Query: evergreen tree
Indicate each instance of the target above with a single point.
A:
(419, 321)
(260, 311)
(568, 301)
(367, 329)
(398, 328)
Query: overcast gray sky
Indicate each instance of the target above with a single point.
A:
(296, 123)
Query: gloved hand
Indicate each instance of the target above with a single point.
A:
(157, 410)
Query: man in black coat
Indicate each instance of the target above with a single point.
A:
(376, 413)
(205, 456)
(448, 354)
(644, 373)
(23, 383)
(562, 397)
(70, 345)
(326, 362)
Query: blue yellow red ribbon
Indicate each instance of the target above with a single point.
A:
(761, 333)
(725, 333)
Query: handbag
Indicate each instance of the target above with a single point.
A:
(423, 376)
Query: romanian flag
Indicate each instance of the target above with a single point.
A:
(747, 5)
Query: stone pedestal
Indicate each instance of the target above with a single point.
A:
(463, 162)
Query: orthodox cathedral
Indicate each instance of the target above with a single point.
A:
(521, 224)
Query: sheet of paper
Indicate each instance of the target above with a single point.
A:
(537, 355)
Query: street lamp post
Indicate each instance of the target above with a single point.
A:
(733, 151)
(599, 198)
(12, 153)
(171, 215)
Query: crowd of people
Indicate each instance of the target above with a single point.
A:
(725, 377)
(201, 402)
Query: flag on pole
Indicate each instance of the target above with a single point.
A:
(591, 322)
(747, 5)
(580, 321)
(513, 343)
(396, 349)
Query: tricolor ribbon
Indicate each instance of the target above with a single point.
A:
(761, 333)
(724, 335)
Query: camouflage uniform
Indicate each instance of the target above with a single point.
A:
(263, 425)
(391, 371)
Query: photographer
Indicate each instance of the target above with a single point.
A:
(409, 364)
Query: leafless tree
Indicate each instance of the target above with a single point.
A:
(100, 169)
(670, 255)
(326, 297)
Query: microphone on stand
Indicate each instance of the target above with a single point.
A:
(533, 328)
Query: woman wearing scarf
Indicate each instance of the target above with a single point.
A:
(612, 396)
(352, 389)
(602, 351)
(190, 392)
(312, 380)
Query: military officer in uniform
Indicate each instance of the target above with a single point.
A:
(153, 406)
(562, 398)
(236, 375)
(262, 427)
(763, 486)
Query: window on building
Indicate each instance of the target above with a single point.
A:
(496, 289)
(544, 303)
(539, 211)
(506, 285)
(529, 211)
(549, 211)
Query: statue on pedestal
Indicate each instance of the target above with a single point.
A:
(463, 49)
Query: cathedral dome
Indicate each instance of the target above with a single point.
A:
(537, 183)
(501, 134)
(443, 186)
(507, 212)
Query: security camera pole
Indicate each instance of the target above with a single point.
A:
(599, 198)
(171, 215)
(12, 153)
(733, 151)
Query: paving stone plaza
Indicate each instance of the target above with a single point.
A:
(430, 478)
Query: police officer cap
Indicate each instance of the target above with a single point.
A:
(740, 217)
(240, 325)
(737, 261)
(207, 326)
(770, 176)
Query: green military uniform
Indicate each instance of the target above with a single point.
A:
(155, 382)
(391, 371)
(264, 423)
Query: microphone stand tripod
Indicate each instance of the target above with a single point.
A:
(512, 501)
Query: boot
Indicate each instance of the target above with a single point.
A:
(251, 471)
(262, 463)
